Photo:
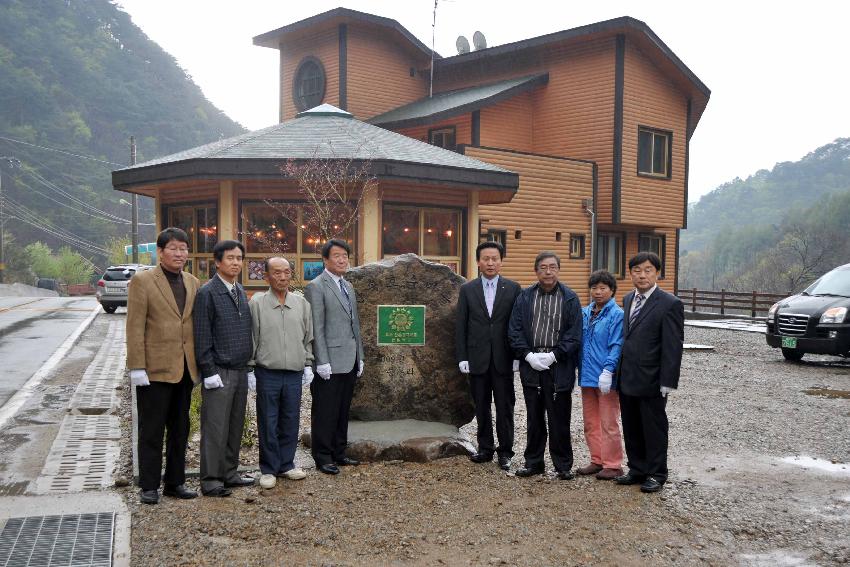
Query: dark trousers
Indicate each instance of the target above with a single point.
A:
(485, 389)
(329, 415)
(278, 413)
(163, 409)
(544, 404)
(222, 422)
(645, 433)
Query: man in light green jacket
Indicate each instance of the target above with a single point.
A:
(282, 326)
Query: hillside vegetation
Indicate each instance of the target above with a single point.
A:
(81, 77)
(776, 231)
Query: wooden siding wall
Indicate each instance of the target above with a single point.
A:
(573, 115)
(462, 124)
(197, 193)
(548, 201)
(650, 99)
(422, 195)
(324, 46)
(379, 74)
(508, 124)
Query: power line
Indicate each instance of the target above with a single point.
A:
(23, 213)
(62, 151)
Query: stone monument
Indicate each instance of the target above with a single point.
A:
(411, 398)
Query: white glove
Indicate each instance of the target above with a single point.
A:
(139, 377)
(324, 370)
(516, 366)
(532, 359)
(547, 359)
(213, 382)
(605, 381)
(252, 381)
(307, 377)
(463, 366)
(666, 390)
(360, 370)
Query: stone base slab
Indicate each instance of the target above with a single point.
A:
(403, 439)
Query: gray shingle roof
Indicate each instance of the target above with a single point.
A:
(324, 132)
(451, 103)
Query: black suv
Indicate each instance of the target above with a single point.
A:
(816, 320)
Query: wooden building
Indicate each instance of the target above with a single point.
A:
(596, 121)
(424, 200)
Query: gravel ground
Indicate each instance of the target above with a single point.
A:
(730, 499)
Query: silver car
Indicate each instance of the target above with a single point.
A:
(112, 286)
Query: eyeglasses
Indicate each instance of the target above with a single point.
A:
(548, 268)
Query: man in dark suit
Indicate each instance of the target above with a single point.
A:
(653, 332)
(223, 347)
(482, 350)
(338, 354)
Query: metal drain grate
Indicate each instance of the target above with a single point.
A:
(45, 541)
(96, 391)
(83, 456)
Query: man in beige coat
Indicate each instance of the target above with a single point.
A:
(161, 360)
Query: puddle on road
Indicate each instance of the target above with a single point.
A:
(818, 464)
(827, 393)
(778, 558)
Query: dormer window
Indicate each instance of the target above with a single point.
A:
(443, 137)
(308, 86)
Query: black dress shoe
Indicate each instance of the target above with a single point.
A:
(347, 462)
(180, 491)
(628, 478)
(504, 463)
(565, 475)
(329, 468)
(481, 457)
(650, 485)
(530, 471)
(218, 491)
(149, 496)
(239, 482)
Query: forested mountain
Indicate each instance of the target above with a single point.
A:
(776, 230)
(79, 76)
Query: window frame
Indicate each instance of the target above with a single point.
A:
(297, 98)
(581, 238)
(443, 130)
(663, 248)
(493, 233)
(668, 157)
(454, 262)
(195, 258)
(621, 272)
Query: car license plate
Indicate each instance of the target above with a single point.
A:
(789, 342)
(114, 290)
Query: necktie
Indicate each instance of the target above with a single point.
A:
(490, 296)
(234, 293)
(636, 310)
(345, 293)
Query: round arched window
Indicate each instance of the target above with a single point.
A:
(308, 86)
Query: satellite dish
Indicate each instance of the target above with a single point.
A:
(479, 41)
(462, 45)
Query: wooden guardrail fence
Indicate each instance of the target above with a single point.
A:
(755, 302)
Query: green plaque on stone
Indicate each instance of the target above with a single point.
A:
(401, 325)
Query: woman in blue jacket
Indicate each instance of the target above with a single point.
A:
(602, 341)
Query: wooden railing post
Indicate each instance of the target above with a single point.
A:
(753, 313)
(723, 302)
(694, 301)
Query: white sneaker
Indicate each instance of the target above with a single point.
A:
(295, 474)
(268, 481)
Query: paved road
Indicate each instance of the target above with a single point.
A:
(31, 329)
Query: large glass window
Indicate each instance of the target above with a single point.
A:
(267, 230)
(654, 152)
(431, 233)
(609, 253)
(201, 224)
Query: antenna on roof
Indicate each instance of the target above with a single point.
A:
(479, 41)
(433, 32)
(462, 45)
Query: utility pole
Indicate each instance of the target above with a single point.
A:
(135, 206)
(13, 162)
